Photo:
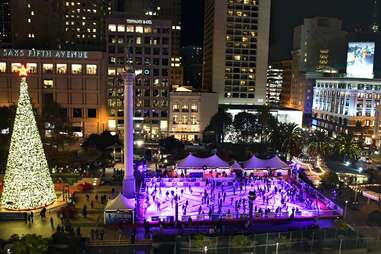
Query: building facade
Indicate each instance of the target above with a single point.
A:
(348, 105)
(190, 113)
(274, 84)
(236, 41)
(73, 79)
(146, 44)
(192, 62)
(285, 96)
(5, 22)
(319, 46)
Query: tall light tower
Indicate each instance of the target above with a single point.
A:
(128, 77)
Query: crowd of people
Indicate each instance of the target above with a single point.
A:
(269, 196)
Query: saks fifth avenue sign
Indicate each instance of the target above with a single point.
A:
(62, 54)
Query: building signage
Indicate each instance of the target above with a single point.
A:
(139, 21)
(62, 54)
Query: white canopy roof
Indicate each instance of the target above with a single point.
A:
(120, 203)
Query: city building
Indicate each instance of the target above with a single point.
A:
(36, 24)
(274, 84)
(84, 24)
(236, 41)
(147, 45)
(192, 62)
(5, 22)
(348, 105)
(73, 79)
(285, 95)
(319, 48)
(158, 10)
(190, 113)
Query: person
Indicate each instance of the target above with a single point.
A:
(102, 233)
(51, 222)
(84, 211)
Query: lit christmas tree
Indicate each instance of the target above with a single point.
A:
(27, 181)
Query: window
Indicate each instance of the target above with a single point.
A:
(3, 67)
(92, 113)
(32, 67)
(139, 29)
(15, 67)
(76, 68)
(138, 40)
(147, 29)
(77, 112)
(184, 108)
(91, 69)
(175, 108)
(194, 108)
(185, 119)
(47, 68)
(48, 83)
(193, 120)
(111, 72)
(130, 29)
(112, 28)
(121, 28)
(61, 68)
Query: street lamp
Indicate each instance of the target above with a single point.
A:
(345, 209)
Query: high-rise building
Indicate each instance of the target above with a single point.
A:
(36, 24)
(236, 41)
(84, 24)
(192, 62)
(147, 45)
(5, 22)
(319, 48)
(286, 86)
(274, 84)
(158, 10)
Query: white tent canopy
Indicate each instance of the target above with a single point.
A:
(120, 203)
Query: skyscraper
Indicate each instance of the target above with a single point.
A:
(274, 83)
(236, 41)
(5, 22)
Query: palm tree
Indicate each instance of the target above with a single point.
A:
(240, 242)
(291, 139)
(319, 143)
(347, 147)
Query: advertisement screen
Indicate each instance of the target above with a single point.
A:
(360, 59)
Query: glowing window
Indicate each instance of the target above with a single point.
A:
(111, 72)
(47, 68)
(32, 67)
(76, 68)
(3, 67)
(130, 29)
(48, 83)
(237, 57)
(175, 108)
(138, 40)
(147, 29)
(194, 108)
(91, 69)
(61, 68)
(139, 29)
(112, 27)
(15, 67)
(121, 28)
(185, 108)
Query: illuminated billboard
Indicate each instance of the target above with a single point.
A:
(360, 59)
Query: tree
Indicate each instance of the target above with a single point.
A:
(29, 244)
(240, 242)
(218, 125)
(246, 127)
(287, 138)
(319, 144)
(266, 122)
(100, 142)
(172, 146)
(27, 181)
(347, 147)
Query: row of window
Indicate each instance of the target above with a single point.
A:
(78, 112)
(349, 86)
(47, 68)
(111, 71)
(185, 108)
(184, 120)
(139, 61)
(136, 29)
(146, 40)
(137, 50)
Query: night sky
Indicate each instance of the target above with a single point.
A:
(285, 15)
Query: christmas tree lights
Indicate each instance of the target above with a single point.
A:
(27, 181)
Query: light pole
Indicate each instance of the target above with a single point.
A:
(345, 209)
(276, 248)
